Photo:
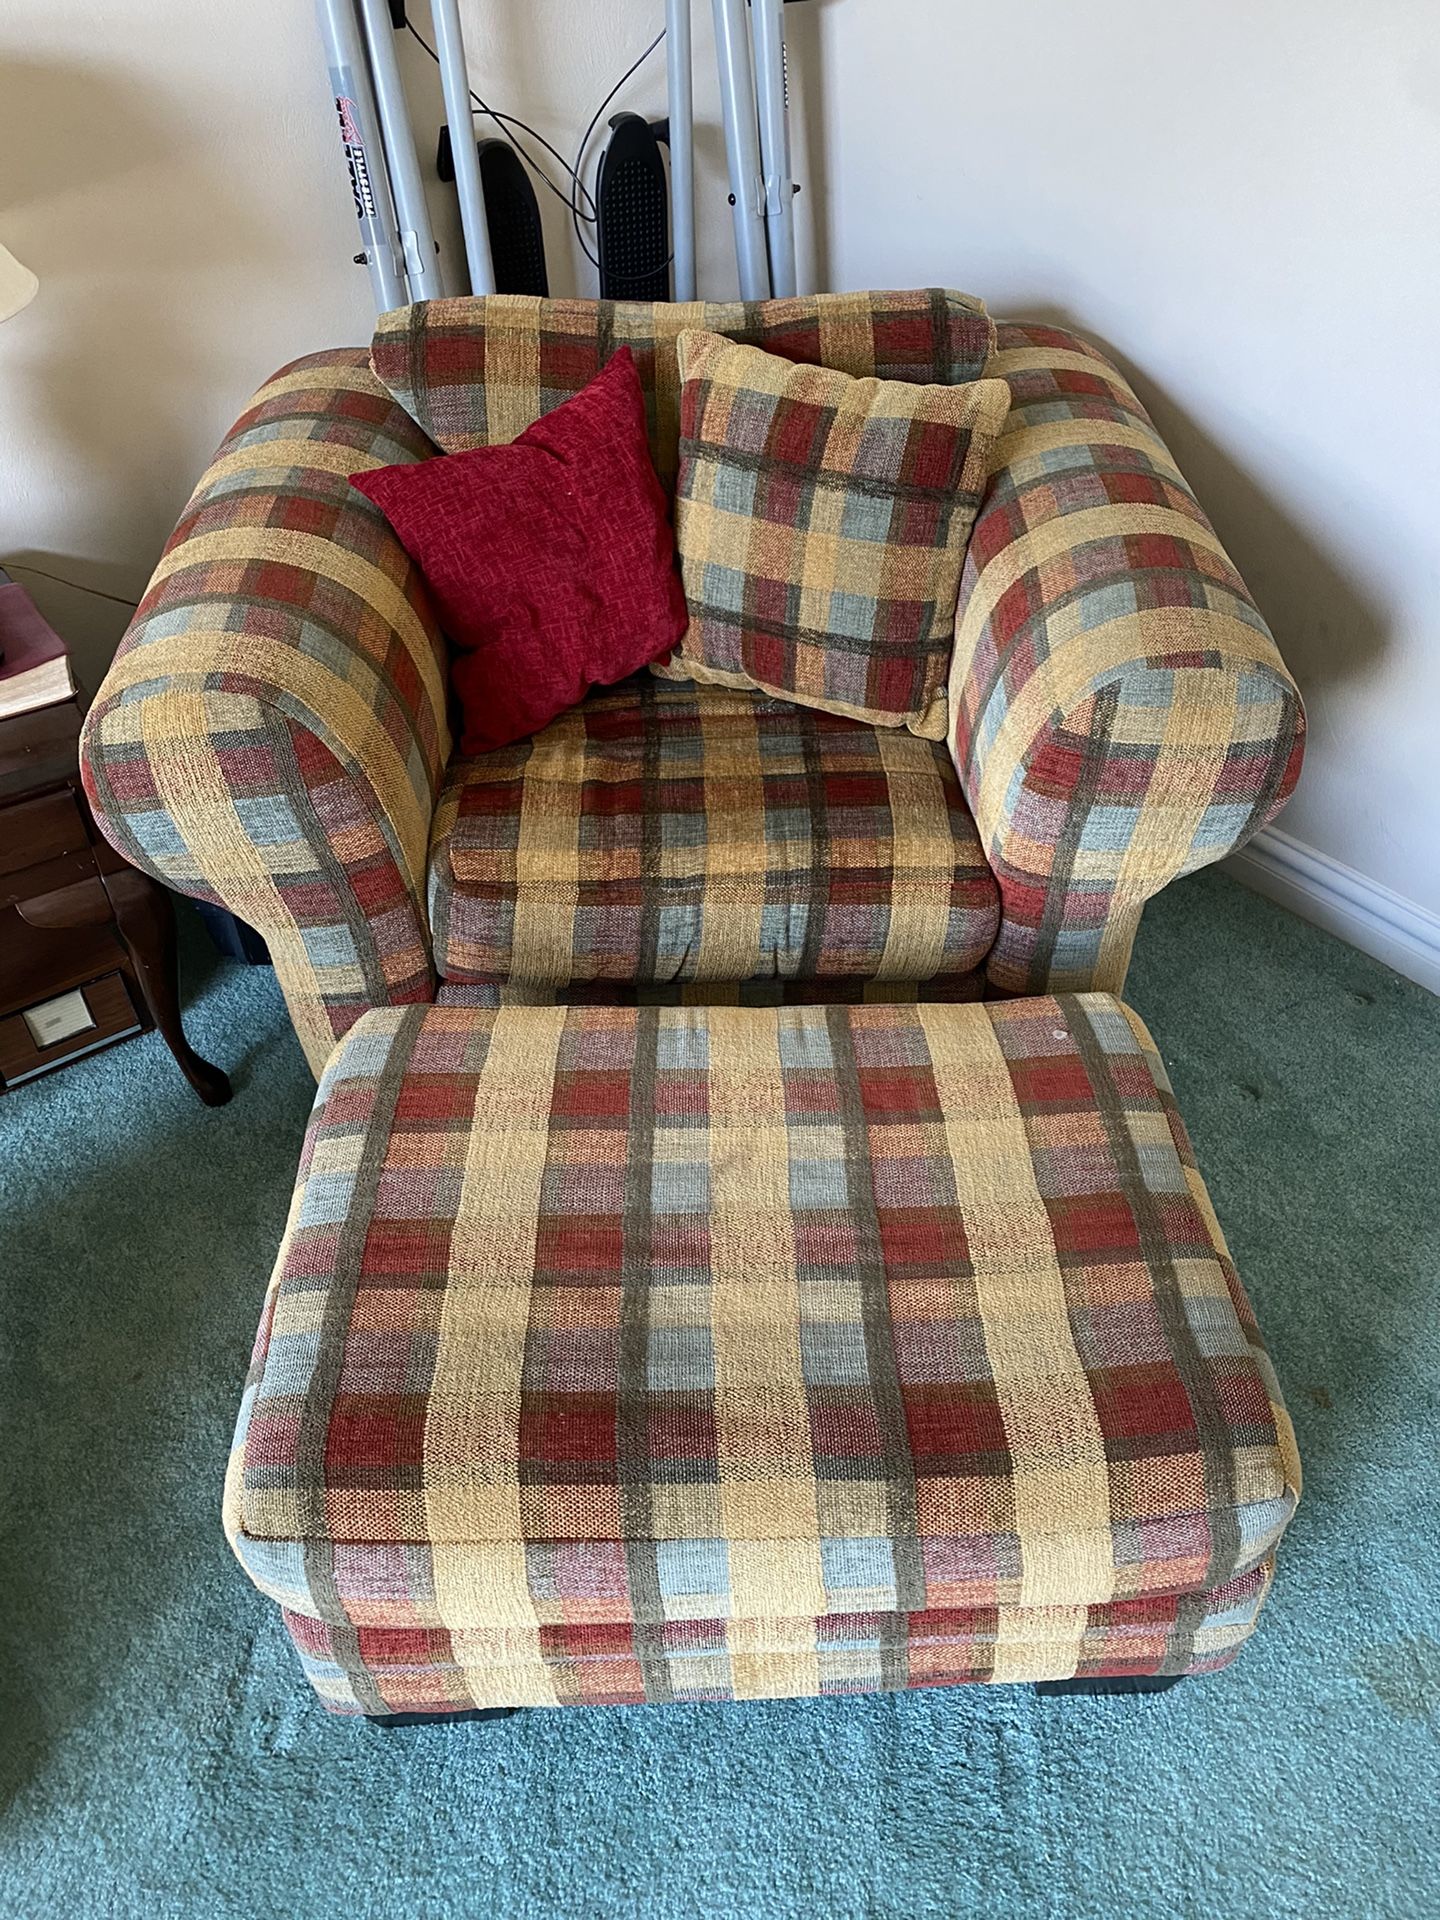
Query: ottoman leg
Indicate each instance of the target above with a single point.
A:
(1121, 1683)
(438, 1719)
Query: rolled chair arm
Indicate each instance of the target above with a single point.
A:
(273, 730)
(1119, 712)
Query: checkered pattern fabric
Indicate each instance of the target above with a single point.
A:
(477, 372)
(813, 1344)
(691, 836)
(821, 523)
(273, 730)
(1119, 712)
(431, 1670)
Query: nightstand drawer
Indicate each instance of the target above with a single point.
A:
(39, 749)
(34, 831)
(50, 877)
(36, 962)
(105, 1006)
(64, 896)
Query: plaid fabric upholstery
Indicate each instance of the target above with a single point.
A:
(1119, 712)
(874, 1333)
(477, 372)
(272, 732)
(821, 523)
(692, 836)
(945, 990)
(429, 1670)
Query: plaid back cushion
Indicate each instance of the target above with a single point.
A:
(477, 372)
(822, 523)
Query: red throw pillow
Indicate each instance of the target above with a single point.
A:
(551, 562)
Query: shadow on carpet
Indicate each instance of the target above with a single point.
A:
(161, 1755)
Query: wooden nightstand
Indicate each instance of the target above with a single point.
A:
(87, 943)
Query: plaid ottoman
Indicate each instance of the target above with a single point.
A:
(715, 1353)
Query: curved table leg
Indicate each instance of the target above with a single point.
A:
(145, 917)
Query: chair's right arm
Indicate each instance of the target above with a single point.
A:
(1120, 714)
(273, 730)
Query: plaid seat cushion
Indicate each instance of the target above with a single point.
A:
(685, 836)
(821, 523)
(799, 1343)
(476, 372)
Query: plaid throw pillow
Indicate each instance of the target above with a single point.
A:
(477, 372)
(822, 523)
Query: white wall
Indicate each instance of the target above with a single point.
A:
(1233, 196)
(1238, 198)
(168, 172)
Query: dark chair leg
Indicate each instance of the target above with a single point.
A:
(438, 1719)
(146, 919)
(1120, 1683)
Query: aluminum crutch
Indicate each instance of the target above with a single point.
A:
(422, 269)
(742, 147)
(455, 85)
(680, 87)
(364, 150)
(767, 27)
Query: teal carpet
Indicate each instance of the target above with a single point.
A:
(160, 1754)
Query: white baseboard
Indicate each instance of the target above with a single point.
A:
(1393, 930)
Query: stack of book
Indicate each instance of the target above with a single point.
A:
(34, 665)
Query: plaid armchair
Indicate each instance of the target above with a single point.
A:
(273, 733)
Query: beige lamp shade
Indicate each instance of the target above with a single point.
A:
(17, 285)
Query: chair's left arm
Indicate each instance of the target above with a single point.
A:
(273, 730)
(1119, 713)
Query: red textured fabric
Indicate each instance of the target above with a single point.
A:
(551, 562)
